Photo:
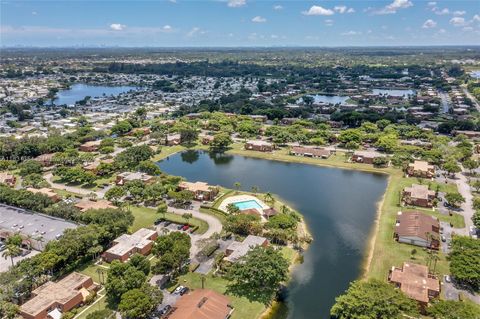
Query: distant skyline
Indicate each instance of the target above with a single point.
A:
(238, 23)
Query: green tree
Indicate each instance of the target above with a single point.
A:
(220, 142)
(371, 300)
(188, 135)
(122, 128)
(464, 260)
(454, 199)
(187, 217)
(257, 276)
(12, 249)
(451, 167)
(132, 156)
(476, 185)
(237, 186)
(449, 309)
(140, 303)
(115, 194)
(8, 310)
(122, 277)
(470, 164)
(30, 167)
(101, 314)
(162, 208)
(149, 167)
(232, 209)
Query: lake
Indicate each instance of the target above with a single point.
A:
(79, 91)
(331, 99)
(339, 207)
(393, 92)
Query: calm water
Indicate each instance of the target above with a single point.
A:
(339, 207)
(331, 99)
(475, 74)
(78, 92)
(392, 92)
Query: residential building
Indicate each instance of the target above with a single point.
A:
(129, 176)
(47, 192)
(421, 169)
(418, 195)
(36, 229)
(53, 299)
(87, 204)
(310, 152)
(416, 282)
(91, 146)
(140, 242)
(260, 146)
(365, 157)
(45, 159)
(8, 179)
(173, 139)
(202, 304)
(201, 191)
(237, 250)
(417, 229)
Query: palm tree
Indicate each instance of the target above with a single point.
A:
(269, 198)
(237, 186)
(285, 209)
(255, 189)
(11, 251)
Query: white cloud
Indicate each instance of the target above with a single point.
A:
(318, 11)
(429, 24)
(476, 18)
(458, 21)
(236, 3)
(351, 33)
(343, 9)
(167, 28)
(432, 3)
(259, 19)
(459, 13)
(394, 7)
(441, 12)
(117, 27)
(467, 29)
(329, 22)
(274, 36)
(277, 7)
(193, 32)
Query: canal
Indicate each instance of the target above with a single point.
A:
(339, 207)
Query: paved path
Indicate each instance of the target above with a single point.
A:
(78, 190)
(214, 225)
(467, 207)
(471, 97)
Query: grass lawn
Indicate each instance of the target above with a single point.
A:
(99, 305)
(387, 252)
(167, 151)
(244, 309)
(91, 270)
(144, 217)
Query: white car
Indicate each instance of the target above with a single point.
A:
(178, 290)
(473, 232)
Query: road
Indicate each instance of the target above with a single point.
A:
(471, 97)
(445, 102)
(467, 207)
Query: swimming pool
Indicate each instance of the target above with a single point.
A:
(249, 204)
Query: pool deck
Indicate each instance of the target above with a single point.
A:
(241, 198)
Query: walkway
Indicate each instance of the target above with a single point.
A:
(214, 225)
(467, 207)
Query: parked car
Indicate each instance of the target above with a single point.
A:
(158, 221)
(2, 247)
(179, 227)
(444, 239)
(185, 227)
(473, 232)
(447, 278)
(167, 223)
(165, 310)
(178, 289)
(184, 291)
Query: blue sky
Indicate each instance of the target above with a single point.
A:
(179, 23)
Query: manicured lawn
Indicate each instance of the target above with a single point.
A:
(387, 252)
(145, 217)
(167, 151)
(100, 305)
(92, 270)
(244, 309)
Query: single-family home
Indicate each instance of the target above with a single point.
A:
(8, 179)
(416, 228)
(45, 159)
(237, 250)
(45, 191)
(421, 169)
(140, 242)
(258, 145)
(201, 191)
(416, 282)
(366, 157)
(202, 304)
(90, 146)
(310, 152)
(173, 139)
(53, 299)
(418, 195)
(129, 176)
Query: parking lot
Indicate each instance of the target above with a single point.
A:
(6, 263)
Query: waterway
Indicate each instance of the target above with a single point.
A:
(339, 207)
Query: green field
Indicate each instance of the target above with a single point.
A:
(145, 217)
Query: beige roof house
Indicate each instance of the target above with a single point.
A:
(86, 204)
(415, 281)
(202, 304)
(140, 242)
(421, 169)
(236, 249)
(45, 191)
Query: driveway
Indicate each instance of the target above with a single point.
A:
(5, 264)
(467, 208)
